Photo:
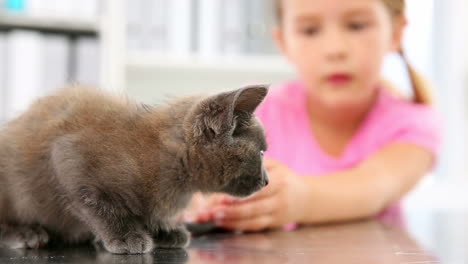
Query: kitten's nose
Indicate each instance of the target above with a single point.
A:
(265, 176)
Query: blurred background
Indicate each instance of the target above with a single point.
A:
(154, 49)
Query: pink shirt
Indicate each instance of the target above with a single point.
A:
(291, 140)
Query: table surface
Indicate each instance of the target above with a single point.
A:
(382, 242)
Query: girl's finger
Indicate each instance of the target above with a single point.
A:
(252, 224)
(217, 199)
(203, 214)
(245, 210)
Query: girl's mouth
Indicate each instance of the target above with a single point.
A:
(339, 78)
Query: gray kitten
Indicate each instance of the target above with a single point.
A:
(82, 164)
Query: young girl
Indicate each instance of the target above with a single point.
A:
(342, 146)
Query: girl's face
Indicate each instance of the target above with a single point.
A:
(338, 46)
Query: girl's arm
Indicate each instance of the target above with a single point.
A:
(351, 194)
(367, 189)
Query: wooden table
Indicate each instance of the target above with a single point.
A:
(370, 242)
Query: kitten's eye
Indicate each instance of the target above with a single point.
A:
(262, 153)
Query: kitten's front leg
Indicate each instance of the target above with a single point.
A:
(112, 211)
(178, 237)
(121, 231)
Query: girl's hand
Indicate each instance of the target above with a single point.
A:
(199, 206)
(274, 206)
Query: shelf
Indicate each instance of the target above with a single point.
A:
(52, 25)
(245, 63)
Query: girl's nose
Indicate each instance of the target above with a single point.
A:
(335, 45)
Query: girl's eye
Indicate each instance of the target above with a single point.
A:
(310, 31)
(358, 26)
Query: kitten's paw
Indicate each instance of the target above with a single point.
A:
(176, 238)
(24, 237)
(131, 243)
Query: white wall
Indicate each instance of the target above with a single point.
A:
(450, 75)
(446, 192)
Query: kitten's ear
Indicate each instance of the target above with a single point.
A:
(218, 114)
(249, 98)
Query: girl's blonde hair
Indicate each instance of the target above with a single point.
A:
(419, 84)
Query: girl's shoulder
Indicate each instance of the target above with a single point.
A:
(395, 107)
(398, 119)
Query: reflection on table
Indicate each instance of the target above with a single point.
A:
(383, 242)
(361, 242)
